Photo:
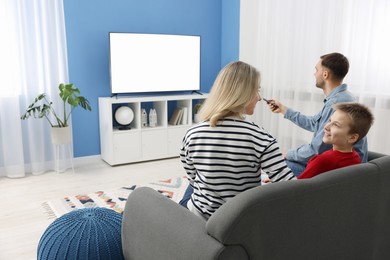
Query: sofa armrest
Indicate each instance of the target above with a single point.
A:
(155, 227)
(374, 155)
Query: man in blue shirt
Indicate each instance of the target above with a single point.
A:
(330, 72)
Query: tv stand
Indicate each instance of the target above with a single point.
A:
(121, 146)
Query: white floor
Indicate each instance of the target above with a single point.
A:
(22, 220)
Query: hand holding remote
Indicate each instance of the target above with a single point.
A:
(276, 106)
(271, 103)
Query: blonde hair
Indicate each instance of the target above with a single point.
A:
(232, 91)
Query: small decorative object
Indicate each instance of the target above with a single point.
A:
(152, 117)
(42, 107)
(144, 119)
(124, 115)
(155, 116)
(90, 233)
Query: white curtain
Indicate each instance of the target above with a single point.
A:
(33, 60)
(284, 39)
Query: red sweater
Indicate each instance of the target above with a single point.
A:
(329, 160)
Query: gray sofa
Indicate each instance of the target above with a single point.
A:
(342, 214)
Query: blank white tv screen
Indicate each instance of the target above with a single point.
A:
(154, 62)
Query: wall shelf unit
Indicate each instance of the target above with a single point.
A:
(145, 143)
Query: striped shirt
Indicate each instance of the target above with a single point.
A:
(226, 160)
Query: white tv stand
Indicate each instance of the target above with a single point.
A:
(144, 143)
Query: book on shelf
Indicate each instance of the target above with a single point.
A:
(179, 116)
(184, 117)
(176, 115)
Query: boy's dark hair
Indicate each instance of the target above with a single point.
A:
(337, 63)
(361, 118)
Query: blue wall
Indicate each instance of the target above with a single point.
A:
(88, 23)
(230, 35)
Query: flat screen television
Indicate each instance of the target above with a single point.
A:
(141, 63)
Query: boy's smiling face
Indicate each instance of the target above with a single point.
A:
(337, 132)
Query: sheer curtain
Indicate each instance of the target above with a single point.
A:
(284, 40)
(33, 51)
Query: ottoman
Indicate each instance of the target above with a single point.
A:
(91, 233)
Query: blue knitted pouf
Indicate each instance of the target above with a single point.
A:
(92, 233)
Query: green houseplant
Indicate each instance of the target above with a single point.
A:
(196, 110)
(42, 107)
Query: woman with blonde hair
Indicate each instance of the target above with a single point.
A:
(225, 155)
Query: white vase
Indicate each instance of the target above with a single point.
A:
(196, 118)
(61, 138)
(61, 135)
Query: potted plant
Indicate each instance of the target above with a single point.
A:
(196, 110)
(42, 107)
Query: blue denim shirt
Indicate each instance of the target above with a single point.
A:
(316, 125)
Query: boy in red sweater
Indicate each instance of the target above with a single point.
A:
(349, 123)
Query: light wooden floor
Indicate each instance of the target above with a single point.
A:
(22, 220)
